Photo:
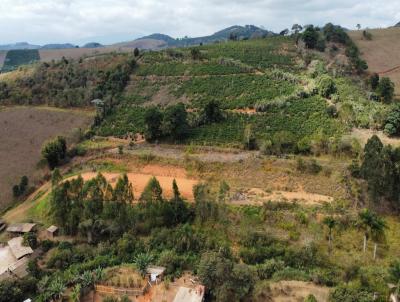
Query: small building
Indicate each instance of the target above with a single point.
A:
(186, 294)
(21, 228)
(18, 249)
(155, 273)
(52, 231)
(19, 268)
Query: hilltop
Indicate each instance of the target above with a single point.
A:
(233, 32)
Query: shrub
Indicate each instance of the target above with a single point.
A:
(289, 273)
(332, 111)
(268, 268)
(346, 293)
(310, 298)
(30, 239)
(54, 151)
(386, 89)
(326, 86)
(310, 166)
(47, 245)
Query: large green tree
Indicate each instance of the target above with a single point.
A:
(386, 89)
(153, 118)
(175, 122)
(54, 151)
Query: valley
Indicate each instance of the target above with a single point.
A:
(259, 168)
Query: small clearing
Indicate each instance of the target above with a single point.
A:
(257, 196)
(293, 291)
(363, 135)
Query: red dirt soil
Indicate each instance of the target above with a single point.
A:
(164, 176)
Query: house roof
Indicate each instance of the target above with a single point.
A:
(52, 229)
(186, 294)
(155, 270)
(19, 268)
(18, 249)
(21, 227)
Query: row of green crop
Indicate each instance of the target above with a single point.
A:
(301, 118)
(260, 53)
(239, 91)
(176, 68)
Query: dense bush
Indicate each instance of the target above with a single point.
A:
(326, 86)
(55, 151)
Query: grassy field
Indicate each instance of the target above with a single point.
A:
(382, 53)
(23, 131)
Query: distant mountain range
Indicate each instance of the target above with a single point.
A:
(159, 41)
(397, 25)
(25, 45)
(19, 45)
(58, 46)
(235, 32)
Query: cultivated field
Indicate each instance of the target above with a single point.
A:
(382, 53)
(22, 133)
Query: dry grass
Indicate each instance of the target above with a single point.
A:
(47, 55)
(382, 53)
(288, 291)
(23, 131)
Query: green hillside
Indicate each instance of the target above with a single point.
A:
(264, 74)
(271, 76)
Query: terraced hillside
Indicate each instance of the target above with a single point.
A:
(263, 84)
(382, 52)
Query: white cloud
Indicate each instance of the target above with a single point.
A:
(46, 21)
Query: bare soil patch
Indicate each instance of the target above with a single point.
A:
(293, 291)
(23, 130)
(257, 196)
(140, 180)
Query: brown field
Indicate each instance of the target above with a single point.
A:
(382, 53)
(47, 55)
(3, 54)
(22, 133)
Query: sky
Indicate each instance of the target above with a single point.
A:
(111, 21)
